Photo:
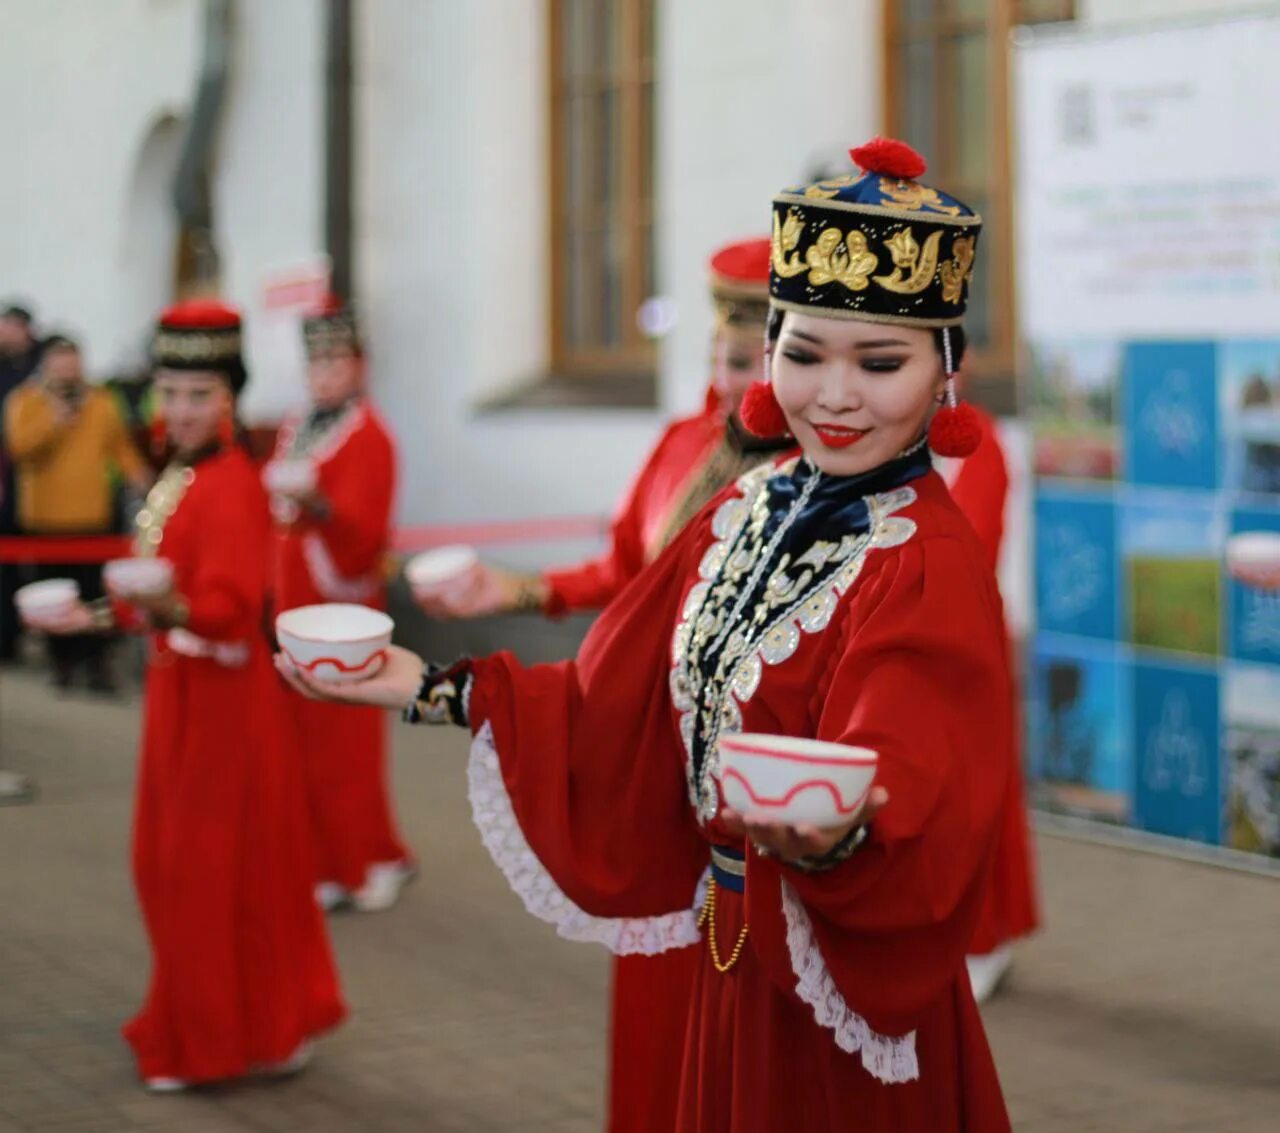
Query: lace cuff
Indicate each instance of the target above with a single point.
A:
(500, 831)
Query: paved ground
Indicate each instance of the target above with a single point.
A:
(1152, 1003)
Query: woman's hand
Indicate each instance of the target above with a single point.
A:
(78, 619)
(792, 843)
(393, 686)
(485, 591)
(162, 610)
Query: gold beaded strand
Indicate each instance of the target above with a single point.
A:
(708, 918)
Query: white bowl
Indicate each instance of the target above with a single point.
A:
(335, 642)
(290, 477)
(1253, 558)
(441, 570)
(795, 780)
(139, 577)
(48, 600)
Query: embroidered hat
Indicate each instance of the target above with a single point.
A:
(875, 244)
(331, 326)
(740, 282)
(200, 334)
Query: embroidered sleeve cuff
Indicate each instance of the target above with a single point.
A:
(443, 697)
(842, 851)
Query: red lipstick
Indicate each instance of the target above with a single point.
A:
(839, 436)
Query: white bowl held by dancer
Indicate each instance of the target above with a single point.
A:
(442, 571)
(294, 477)
(336, 641)
(794, 780)
(138, 577)
(1253, 558)
(47, 601)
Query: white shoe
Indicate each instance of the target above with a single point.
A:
(382, 885)
(298, 1061)
(987, 971)
(165, 1085)
(330, 895)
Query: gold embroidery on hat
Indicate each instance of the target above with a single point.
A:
(840, 258)
(957, 269)
(186, 346)
(912, 196)
(824, 190)
(908, 258)
(786, 236)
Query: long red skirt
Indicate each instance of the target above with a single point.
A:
(757, 1061)
(241, 972)
(650, 1015)
(345, 753)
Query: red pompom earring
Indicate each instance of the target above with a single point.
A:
(158, 436)
(955, 429)
(760, 413)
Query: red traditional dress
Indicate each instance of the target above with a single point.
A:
(859, 610)
(693, 460)
(980, 487)
(340, 558)
(241, 973)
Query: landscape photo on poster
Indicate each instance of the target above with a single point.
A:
(1171, 414)
(1172, 545)
(1076, 564)
(1078, 728)
(1249, 402)
(1176, 738)
(1253, 584)
(1073, 394)
(1251, 711)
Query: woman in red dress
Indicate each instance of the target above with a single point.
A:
(839, 594)
(242, 977)
(980, 487)
(330, 545)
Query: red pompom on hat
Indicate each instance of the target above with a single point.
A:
(200, 314)
(890, 158)
(746, 261)
(760, 413)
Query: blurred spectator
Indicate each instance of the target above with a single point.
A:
(67, 438)
(19, 354)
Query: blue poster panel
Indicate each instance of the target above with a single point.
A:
(1171, 414)
(1175, 749)
(1171, 544)
(1078, 728)
(1075, 547)
(1249, 402)
(1251, 749)
(1253, 585)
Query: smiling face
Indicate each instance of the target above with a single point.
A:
(856, 394)
(194, 404)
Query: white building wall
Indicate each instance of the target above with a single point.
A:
(1101, 12)
(80, 94)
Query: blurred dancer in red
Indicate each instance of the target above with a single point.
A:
(332, 533)
(694, 459)
(242, 976)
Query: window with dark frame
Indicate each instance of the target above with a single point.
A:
(602, 242)
(947, 93)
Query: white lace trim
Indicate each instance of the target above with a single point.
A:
(887, 1059)
(500, 831)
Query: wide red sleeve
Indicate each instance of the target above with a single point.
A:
(593, 584)
(577, 779)
(226, 591)
(981, 489)
(921, 677)
(359, 491)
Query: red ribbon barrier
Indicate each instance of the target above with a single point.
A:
(100, 548)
